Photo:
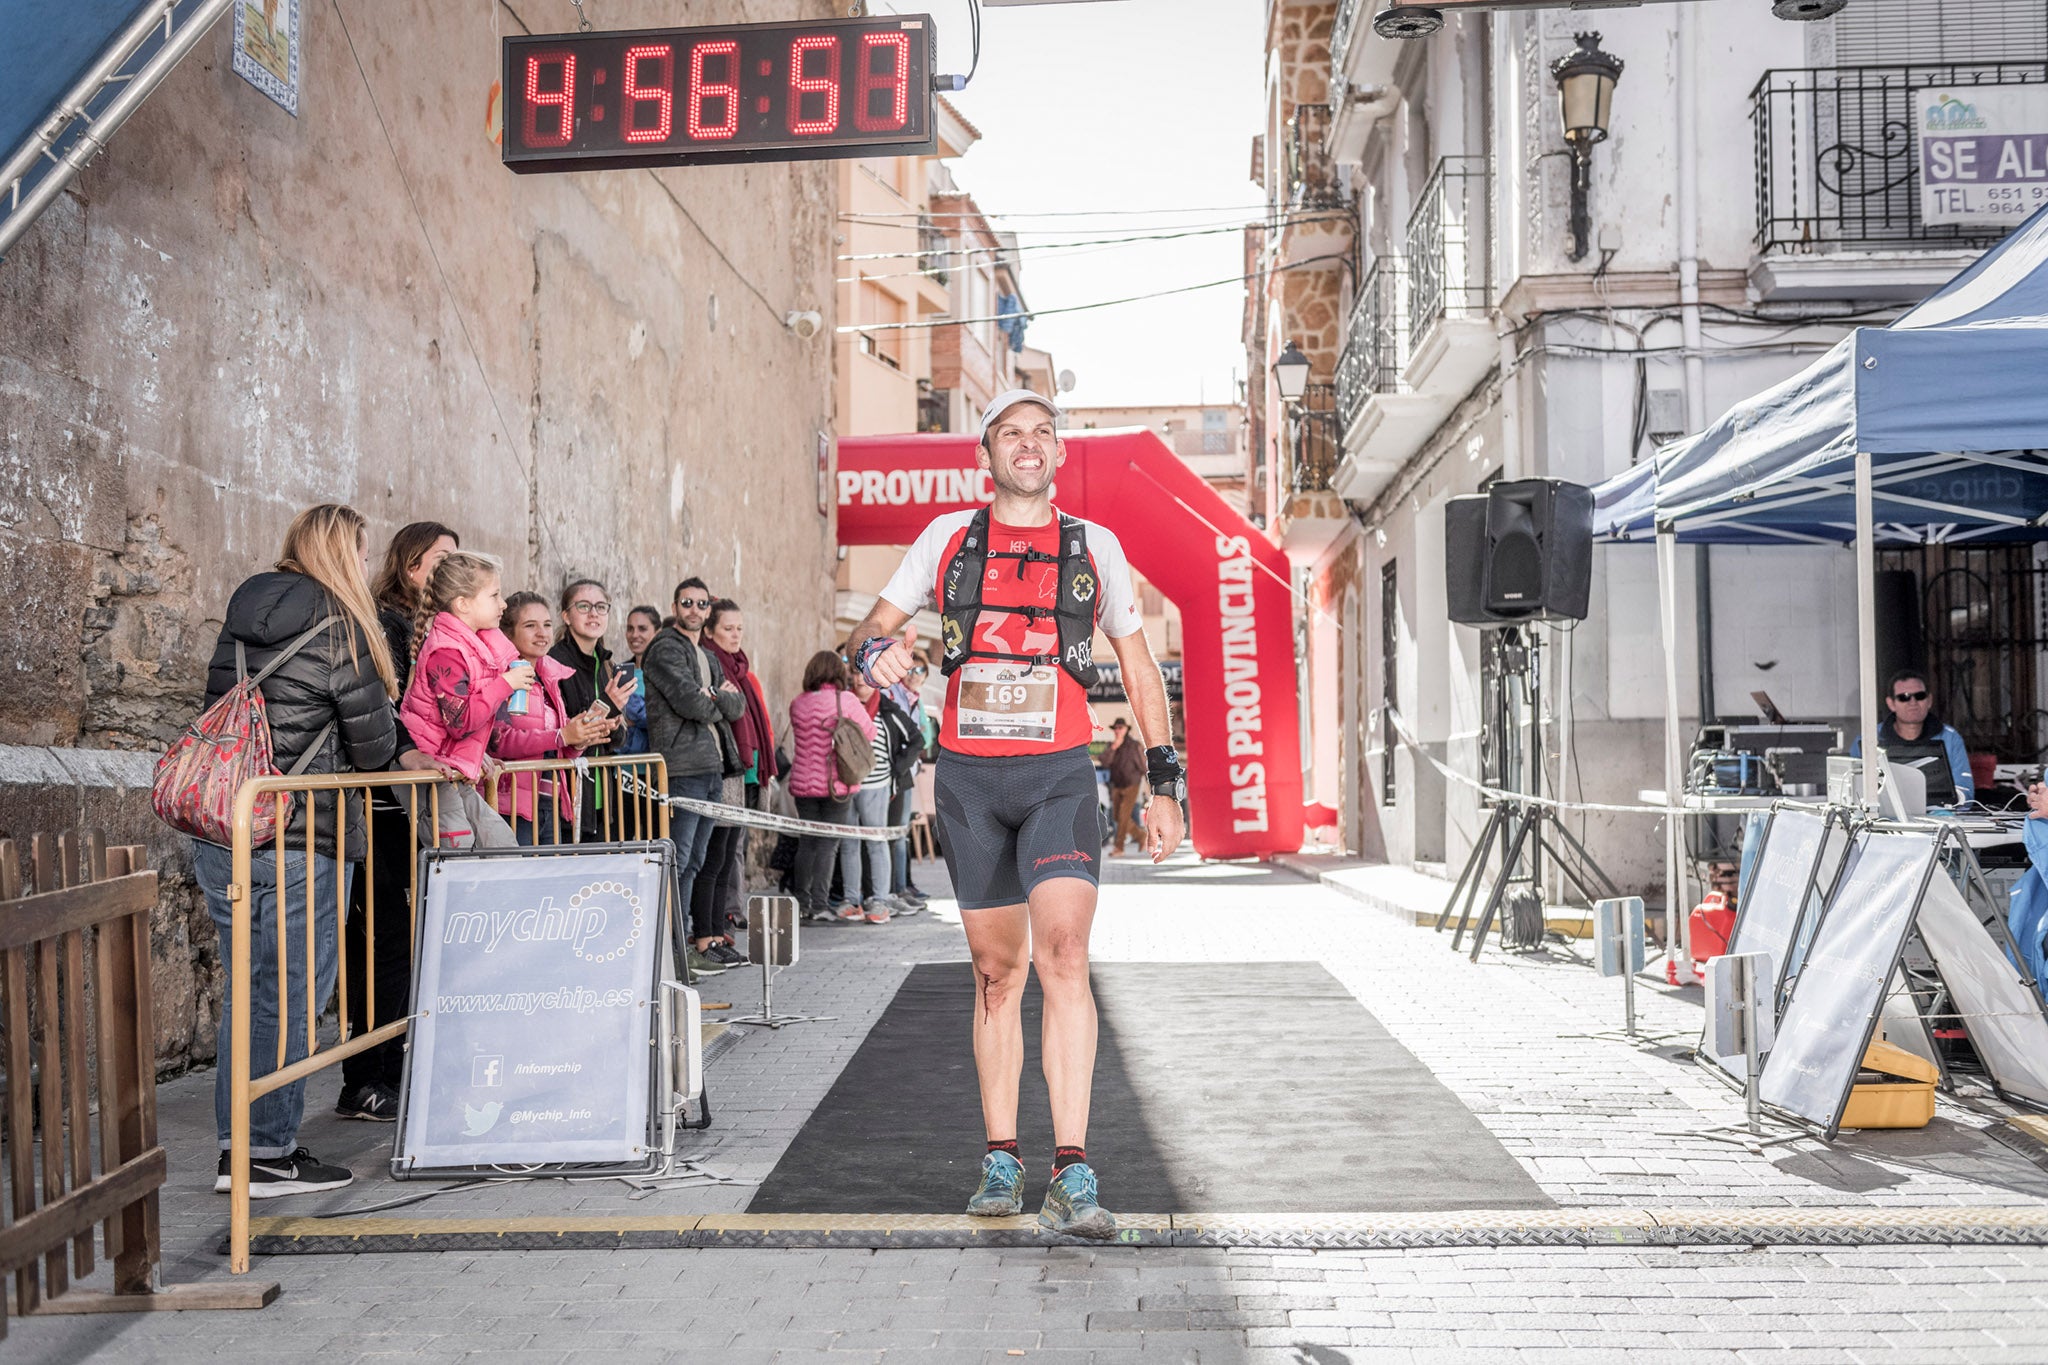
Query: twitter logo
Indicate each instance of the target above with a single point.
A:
(477, 1122)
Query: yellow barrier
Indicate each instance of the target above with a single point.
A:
(623, 816)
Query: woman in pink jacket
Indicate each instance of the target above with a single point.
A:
(814, 779)
(536, 805)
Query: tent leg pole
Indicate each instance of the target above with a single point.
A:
(1866, 629)
(1676, 929)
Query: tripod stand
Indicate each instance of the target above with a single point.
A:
(1518, 824)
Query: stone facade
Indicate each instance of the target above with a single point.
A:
(236, 313)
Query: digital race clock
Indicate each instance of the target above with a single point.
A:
(739, 92)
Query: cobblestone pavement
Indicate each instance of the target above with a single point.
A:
(1590, 1119)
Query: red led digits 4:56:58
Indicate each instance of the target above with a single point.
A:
(752, 92)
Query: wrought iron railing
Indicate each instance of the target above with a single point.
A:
(934, 250)
(1447, 243)
(1344, 31)
(1313, 438)
(1375, 338)
(1836, 157)
(1311, 171)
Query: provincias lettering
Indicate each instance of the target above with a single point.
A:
(1243, 723)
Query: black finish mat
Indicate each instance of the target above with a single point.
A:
(1246, 1087)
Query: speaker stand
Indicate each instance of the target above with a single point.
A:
(1518, 825)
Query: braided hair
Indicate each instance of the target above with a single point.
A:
(461, 573)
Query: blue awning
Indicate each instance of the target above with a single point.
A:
(1950, 400)
(46, 49)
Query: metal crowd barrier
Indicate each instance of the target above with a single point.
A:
(627, 810)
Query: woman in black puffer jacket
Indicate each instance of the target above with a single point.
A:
(329, 703)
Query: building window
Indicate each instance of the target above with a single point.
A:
(1215, 431)
(878, 305)
(1390, 675)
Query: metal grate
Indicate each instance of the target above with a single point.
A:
(1375, 338)
(1447, 243)
(1871, 32)
(1981, 618)
(1836, 160)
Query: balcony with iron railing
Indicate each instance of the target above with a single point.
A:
(1312, 515)
(1312, 181)
(1447, 244)
(1375, 338)
(1420, 335)
(1837, 158)
(1312, 440)
(1347, 28)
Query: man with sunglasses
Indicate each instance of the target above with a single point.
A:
(1914, 737)
(687, 694)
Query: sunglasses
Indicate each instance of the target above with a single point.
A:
(693, 601)
(1909, 696)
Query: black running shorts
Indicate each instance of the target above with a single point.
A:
(1010, 823)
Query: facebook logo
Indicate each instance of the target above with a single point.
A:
(487, 1071)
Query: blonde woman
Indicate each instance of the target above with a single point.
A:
(330, 704)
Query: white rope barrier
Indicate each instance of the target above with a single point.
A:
(760, 819)
(1401, 729)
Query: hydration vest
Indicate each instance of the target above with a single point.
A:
(1079, 594)
(1927, 753)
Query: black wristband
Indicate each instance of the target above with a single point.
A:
(1162, 764)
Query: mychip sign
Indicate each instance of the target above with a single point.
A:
(534, 1010)
(1983, 153)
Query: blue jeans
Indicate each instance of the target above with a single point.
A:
(691, 834)
(273, 1118)
(541, 828)
(871, 811)
(899, 848)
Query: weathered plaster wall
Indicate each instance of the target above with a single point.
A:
(236, 313)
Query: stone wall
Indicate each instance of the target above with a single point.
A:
(236, 313)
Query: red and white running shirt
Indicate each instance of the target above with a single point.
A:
(995, 706)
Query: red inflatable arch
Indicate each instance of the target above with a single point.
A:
(1230, 583)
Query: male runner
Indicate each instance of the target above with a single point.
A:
(1021, 589)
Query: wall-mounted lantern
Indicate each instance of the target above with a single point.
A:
(1585, 99)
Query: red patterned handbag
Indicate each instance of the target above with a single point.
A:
(199, 775)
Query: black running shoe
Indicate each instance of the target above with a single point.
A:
(726, 953)
(299, 1173)
(372, 1101)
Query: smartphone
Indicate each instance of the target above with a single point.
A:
(601, 709)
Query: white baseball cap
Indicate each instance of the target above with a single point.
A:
(1003, 402)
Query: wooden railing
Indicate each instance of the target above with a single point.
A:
(78, 1041)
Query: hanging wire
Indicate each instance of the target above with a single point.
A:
(974, 25)
(1088, 307)
(583, 24)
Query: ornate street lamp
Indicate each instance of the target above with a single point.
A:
(1290, 372)
(1585, 98)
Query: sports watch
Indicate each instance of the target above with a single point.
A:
(1164, 772)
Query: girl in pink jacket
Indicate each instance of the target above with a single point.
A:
(464, 669)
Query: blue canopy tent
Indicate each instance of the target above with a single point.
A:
(1931, 430)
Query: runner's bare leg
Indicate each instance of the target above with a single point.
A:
(1062, 913)
(999, 940)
